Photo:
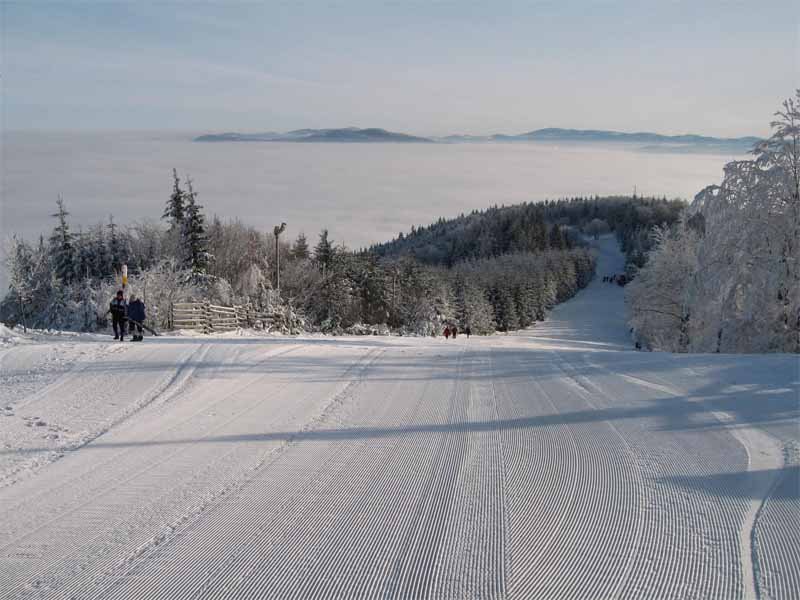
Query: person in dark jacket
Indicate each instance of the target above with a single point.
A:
(468, 331)
(447, 333)
(118, 310)
(454, 331)
(136, 316)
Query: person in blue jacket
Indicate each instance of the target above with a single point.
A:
(136, 316)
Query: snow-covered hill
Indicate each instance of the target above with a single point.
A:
(553, 463)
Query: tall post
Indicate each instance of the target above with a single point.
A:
(279, 229)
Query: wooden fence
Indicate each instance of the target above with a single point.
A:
(209, 318)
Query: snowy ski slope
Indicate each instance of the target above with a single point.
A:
(553, 463)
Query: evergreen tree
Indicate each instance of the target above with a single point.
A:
(62, 246)
(175, 209)
(58, 311)
(87, 306)
(195, 239)
(556, 241)
(114, 246)
(20, 265)
(300, 250)
(505, 312)
(324, 251)
(472, 308)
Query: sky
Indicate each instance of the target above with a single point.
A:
(709, 67)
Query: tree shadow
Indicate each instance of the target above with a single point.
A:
(782, 484)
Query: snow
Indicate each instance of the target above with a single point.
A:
(9, 336)
(552, 463)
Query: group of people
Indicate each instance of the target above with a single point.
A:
(122, 312)
(618, 279)
(453, 330)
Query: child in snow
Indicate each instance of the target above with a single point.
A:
(447, 333)
(136, 316)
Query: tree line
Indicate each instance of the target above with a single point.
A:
(538, 227)
(495, 270)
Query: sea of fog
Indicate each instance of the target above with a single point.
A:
(362, 193)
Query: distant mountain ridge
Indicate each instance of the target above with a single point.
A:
(651, 141)
(347, 134)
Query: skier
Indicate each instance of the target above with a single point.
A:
(468, 331)
(136, 317)
(446, 333)
(118, 310)
(455, 331)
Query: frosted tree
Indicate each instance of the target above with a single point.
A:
(62, 246)
(195, 239)
(21, 285)
(174, 211)
(324, 251)
(779, 157)
(660, 297)
(58, 313)
(727, 278)
(300, 250)
(472, 309)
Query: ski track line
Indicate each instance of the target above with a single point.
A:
(420, 525)
(182, 382)
(225, 511)
(162, 391)
(536, 485)
(344, 534)
(778, 559)
(167, 390)
(76, 367)
(764, 453)
(586, 393)
(115, 458)
(261, 575)
(696, 579)
(218, 499)
(163, 458)
(471, 558)
(597, 455)
(264, 575)
(415, 564)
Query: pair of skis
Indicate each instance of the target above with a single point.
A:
(143, 326)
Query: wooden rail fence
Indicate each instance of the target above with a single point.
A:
(209, 318)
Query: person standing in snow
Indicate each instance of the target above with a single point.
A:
(118, 310)
(136, 316)
(468, 331)
(447, 333)
(455, 331)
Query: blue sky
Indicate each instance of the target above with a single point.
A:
(717, 68)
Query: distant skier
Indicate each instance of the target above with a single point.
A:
(455, 331)
(118, 310)
(136, 316)
(468, 331)
(446, 333)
